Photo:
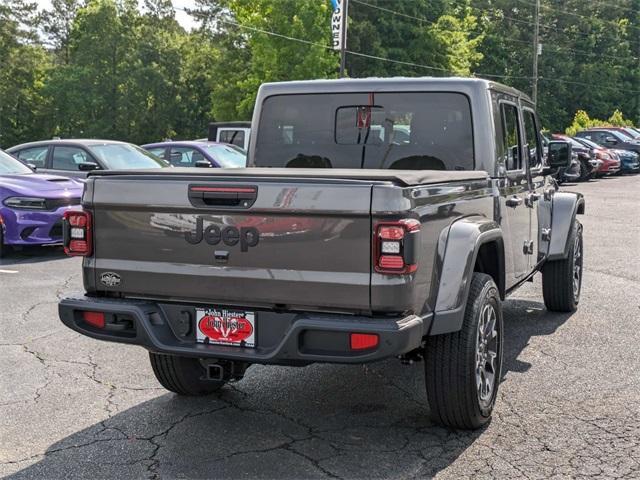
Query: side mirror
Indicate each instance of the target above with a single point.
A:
(610, 140)
(203, 164)
(88, 166)
(32, 166)
(559, 155)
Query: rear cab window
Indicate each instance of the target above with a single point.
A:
(233, 137)
(407, 130)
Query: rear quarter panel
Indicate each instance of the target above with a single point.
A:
(436, 207)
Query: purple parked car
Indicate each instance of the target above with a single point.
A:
(199, 154)
(31, 205)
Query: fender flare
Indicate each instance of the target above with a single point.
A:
(463, 241)
(565, 207)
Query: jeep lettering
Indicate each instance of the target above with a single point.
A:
(212, 234)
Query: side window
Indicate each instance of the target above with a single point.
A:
(234, 137)
(158, 151)
(35, 155)
(184, 156)
(68, 158)
(532, 148)
(511, 136)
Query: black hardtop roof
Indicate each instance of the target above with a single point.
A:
(379, 84)
(235, 123)
(401, 177)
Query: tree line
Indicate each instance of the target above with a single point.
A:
(124, 70)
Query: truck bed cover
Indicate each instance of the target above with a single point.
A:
(401, 177)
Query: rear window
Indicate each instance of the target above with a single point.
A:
(408, 131)
(233, 137)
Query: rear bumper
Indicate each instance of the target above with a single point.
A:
(282, 338)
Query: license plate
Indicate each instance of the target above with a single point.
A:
(221, 326)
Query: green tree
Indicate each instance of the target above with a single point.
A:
(57, 23)
(24, 63)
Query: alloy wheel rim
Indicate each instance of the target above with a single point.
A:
(487, 343)
(577, 268)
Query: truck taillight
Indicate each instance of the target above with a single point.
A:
(395, 246)
(76, 228)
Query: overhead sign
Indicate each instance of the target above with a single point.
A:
(337, 23)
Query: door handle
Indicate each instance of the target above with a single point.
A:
(513, 202)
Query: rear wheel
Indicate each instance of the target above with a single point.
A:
(183, 375)
(463, 369)
(4, 249)
(562, 279)
(584, 172)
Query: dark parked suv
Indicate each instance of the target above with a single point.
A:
(610, 139)
(388, 218)
(75, 158)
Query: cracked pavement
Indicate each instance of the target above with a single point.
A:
(568, 407)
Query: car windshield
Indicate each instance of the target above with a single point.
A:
(407, 130)
(574, 143)
(589, 143)
(227, 156)
(619, 135)
(11, 166)
(631, 133)
(122, 156)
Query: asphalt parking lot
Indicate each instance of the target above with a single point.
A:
(569, 406)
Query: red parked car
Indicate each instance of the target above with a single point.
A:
(610, 162)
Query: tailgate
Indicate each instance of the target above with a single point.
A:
(246, 242)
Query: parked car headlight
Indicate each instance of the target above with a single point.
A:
(26, 203)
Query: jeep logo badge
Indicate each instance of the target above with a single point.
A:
(213, 235)
(110, 279)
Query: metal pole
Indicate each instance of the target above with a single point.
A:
(536, 41)
(343, 40)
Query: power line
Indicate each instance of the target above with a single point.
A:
(430, 22)
(358, 54)
(510, 40)
(566, 12)
(595, 2)
(542, 25)
(390, 60)
(571, 82)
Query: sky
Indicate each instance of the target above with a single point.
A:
(183, 18)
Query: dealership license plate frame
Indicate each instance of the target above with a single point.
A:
(219, 327)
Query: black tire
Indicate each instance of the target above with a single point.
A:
(4, 249)
(584, 173)
(183, 375)
(451, 363)
(561, 293)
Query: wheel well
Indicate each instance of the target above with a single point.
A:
(490, 260)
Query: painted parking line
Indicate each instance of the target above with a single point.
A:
(8, 271)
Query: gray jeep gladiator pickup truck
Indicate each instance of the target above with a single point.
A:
(378, 218)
